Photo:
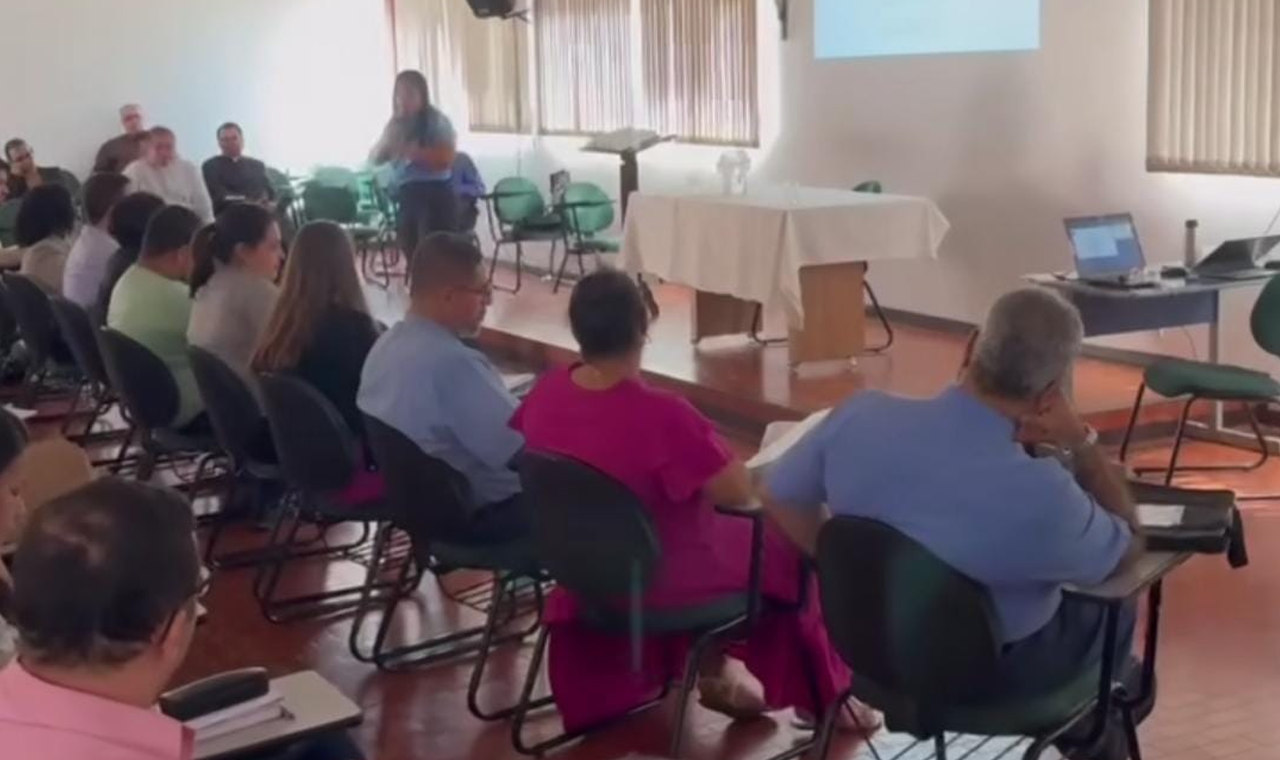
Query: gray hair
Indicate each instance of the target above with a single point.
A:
(1030, 340)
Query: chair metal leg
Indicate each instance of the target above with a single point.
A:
(690, 680)
(757, 325)
(486, 646)
(564, 261)
(940, 746)
(1133, 421)
(882, 317)
(1177, 441)
(366, 595)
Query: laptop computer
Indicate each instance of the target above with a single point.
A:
(1239, 259)
(1107, 251)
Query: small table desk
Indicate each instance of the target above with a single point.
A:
(1171, 303)
(314, 706)
(800, 250)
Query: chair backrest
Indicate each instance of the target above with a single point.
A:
(1264, 320)
(330, 203)
(869, 186)
(591, 533)
(335, 176)
(77, 330)
(9, 221)
(8, 321)
(587, 209)
(908, 624)
(429, 499)
(317, 450)
(517, 200)
(140, 378)
(233, 410)
(30, 303)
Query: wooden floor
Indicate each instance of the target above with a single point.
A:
(1220, 653)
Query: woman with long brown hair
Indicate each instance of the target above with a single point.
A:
(320, 330)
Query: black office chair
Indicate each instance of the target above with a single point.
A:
(77, 331)
(606, 572)
(240, 428)
(430, 502)
(47, 355)
(149, 395)
(318, 458)
(921, 639)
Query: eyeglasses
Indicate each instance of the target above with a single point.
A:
(203, 583)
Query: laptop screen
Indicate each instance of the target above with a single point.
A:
(1105, 245)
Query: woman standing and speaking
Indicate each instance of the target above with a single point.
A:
(420, 144)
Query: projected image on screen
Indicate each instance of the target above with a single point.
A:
(864, 28)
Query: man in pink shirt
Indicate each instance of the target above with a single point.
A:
(105, 587)
(105, 584)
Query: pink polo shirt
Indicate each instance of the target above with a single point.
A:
(40, 721)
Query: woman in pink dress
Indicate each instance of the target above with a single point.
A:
(601, 413)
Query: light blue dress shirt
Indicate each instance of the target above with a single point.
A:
(446, 396)
(947, 472)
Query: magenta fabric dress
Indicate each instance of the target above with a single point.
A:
(661, 448)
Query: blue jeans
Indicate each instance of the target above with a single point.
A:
(1071, 642)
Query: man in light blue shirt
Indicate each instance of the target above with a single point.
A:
(953, 473)
(87, 263)
(423, 380)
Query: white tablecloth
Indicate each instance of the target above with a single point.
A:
(753, 246)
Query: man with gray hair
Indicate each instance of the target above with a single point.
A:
(953, 473)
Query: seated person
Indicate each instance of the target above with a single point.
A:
(127, 224)
(87, 262)
(126, 147)
(4, 180)
(320, 329)
(423, 380)
(232, 176)
(23, 172)
(46, 221)
(233, 290)
(953, 473)
(150, 302)
(163, 172)
(601, 413)
(106, 583)
(13, 440)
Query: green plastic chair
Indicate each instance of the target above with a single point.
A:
(518, 215)
(610, 572)
(920, 639)
(587, 212)
(1174, 378)
(9, 221)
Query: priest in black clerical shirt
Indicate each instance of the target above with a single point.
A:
(233, 177)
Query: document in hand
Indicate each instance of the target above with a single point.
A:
(781, 436)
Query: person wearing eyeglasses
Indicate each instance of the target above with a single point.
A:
(424, 380)
(24, 174)
(107, 580)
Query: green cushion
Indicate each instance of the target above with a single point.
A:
(700, 617)
(1015, 717)
(1178, 377)
(600, 245)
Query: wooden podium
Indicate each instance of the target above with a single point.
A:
(834, 314)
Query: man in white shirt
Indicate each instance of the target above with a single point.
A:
(87, 262)
(162, 172)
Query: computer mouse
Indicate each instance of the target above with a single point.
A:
(1272, 265)
(1173, 271)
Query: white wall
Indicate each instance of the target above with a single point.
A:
(309, 80)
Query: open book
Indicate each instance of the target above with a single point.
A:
(264, 709)
(781, 436)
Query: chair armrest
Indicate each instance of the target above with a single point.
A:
(754, 513)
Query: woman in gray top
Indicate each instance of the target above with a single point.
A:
(236, 261)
